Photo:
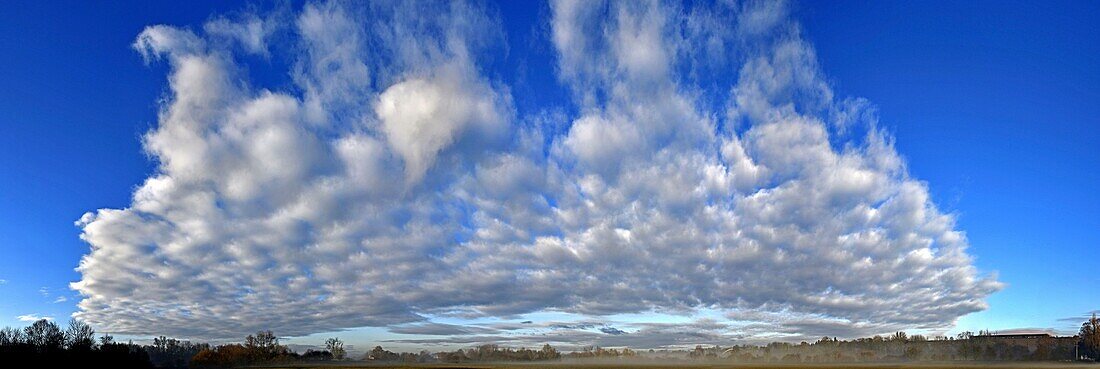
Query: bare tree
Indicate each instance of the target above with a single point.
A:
(262, 340)
(79, 336)
(1090, 337)
(11, 336)
(264, 345)
(336, 347)
(106, 340)
(44, 335)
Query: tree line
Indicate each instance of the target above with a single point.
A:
(44, 343)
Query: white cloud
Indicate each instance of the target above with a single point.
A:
(331, 70)
(251, 32)
(396, 183)
(158, 40)
(32, 318)
(60, 299)
(758, 16)
(423, 116)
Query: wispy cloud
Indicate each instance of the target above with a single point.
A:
(60, 299)
(396, 181)
(32, 317)
(612, 331)
(1080, 318)
(439, 329)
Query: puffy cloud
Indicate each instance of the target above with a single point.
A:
(422, 117)
(396, 184)
(576, 335)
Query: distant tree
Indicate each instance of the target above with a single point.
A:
(336, 347)
(172, 353)
(314, 355)
(912, 352)
(79, 336)
(44, 335)
(549, 352)
(1044, 349)
(262, 340)
(225, 356)
(380, 354)
(264, 346)
(207, 359)
(1090, 338)
(106, 339)
(11, 336)
(990, 353)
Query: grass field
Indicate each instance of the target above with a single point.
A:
(564, 365)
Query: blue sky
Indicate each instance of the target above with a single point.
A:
(993, 105)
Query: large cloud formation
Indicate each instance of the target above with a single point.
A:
(707, 166)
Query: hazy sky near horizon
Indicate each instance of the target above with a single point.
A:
(635, 173)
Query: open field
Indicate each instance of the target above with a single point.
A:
(1013, 365)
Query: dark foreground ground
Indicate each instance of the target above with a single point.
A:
(655, 365)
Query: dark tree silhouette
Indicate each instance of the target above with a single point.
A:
(1090, 338)
(79, 336)
(44, 336)
(11, 337)
(44, 344)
